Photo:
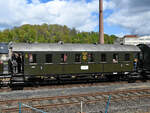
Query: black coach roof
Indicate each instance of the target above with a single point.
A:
(3, 48)
(144, 45)
(56, 47)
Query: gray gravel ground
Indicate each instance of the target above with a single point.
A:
(136, 106)
(99, 107)
(132, 106)
(68, 91)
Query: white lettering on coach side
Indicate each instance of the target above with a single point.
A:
(84, 67)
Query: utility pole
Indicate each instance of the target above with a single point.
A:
(101, 27)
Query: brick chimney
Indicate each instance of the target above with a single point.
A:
(101, 27)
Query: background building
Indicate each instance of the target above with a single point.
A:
(135, 40)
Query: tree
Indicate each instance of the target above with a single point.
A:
(51, 34)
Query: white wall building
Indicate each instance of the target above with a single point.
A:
(135, 40)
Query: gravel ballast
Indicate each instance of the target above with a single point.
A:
(132, 106)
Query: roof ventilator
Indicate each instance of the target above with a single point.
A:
(60, 42)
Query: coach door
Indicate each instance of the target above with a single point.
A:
(16, 64)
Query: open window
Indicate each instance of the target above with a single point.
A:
(91, 57)
(77, 57)
(63, 58)
(115, 58)
(48, 58)
(32, 58)
(103, 58)
(127, 57)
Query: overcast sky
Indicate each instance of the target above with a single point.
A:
(120, 16)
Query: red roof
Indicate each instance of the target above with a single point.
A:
(130, 36)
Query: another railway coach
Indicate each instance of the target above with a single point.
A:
(75, 60)
(144, 57)
(3, 58)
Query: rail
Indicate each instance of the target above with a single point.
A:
(60, 101)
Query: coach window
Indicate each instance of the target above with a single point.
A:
(91, 57)
(48, 58)
(63, 58)
(103, 58)
(138, 55)
(77, 57)
(127, 57)
(115, 58)
(32, 58)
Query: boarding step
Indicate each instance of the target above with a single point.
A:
(17, 79)
(17, 83)
(17, 75)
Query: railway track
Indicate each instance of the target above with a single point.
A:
(11, 106)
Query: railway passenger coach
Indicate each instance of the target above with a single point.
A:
(75, 60)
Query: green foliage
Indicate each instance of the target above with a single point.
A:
(51, 34)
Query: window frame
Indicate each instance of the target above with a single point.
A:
(63, 58)
(103, 58)
(91, 57)
(75, 58)
(115, 58)
(51, 59)
(127, 58)
(34, 58)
